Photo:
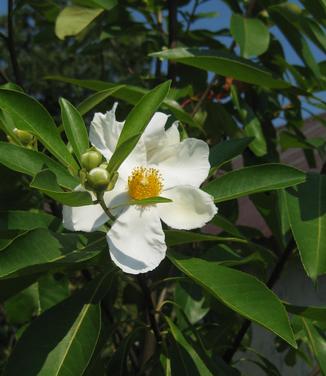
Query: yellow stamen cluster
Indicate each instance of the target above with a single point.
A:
(144, 183)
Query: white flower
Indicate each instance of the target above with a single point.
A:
(159, 165)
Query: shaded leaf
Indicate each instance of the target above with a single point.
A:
(46, 182)
(307, 215)
(251, 34)
(29, 115)
(253, 179)
(224, 64)
(239, 291)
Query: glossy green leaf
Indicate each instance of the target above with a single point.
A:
(105, 4)
(251, 35)
(130, 94)
(185, 360)
(253, 129)
(93, 100)
(309, 312)
(62, 340)
(253, 179)
(177, 237)
(31, 162)
(306, 206)
(74, 19)
(317, 340)
(224, 64)
(46, 182)
(31, 116)
(75, 128)
(225, 151)
(136, 122)
(38, 251)
(24, 220)
(226, 225)
(285, 16)
(239, 291)
(20, 308)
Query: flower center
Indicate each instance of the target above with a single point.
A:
(144, 183)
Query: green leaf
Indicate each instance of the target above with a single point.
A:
(20, 308)
(308, 312)
(177, 237)
(251, 34)
(93, 100)
(239, 291)
(73, 19)
(184, 359)
(24, 220)
(62, 340)
(317, 342)
(226, 225)
(224, 64)
(130, 94)
(253, 129)
(75, 128)
(46, 182)
(31, 162)
(105, 4)
(225, 151)
(29, 115)
(253, 179)
(285, 16)
(306, 206)
(118, 363)
(136, 122)
(38, 251)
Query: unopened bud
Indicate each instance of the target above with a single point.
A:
(24, 137)
(91, 159)
(98, 179)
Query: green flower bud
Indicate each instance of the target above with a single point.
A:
(98, 179)
(24, 137)
(104, 165)
(91, 159)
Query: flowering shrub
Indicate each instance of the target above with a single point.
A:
(122, 247)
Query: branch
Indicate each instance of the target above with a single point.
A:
(172, 29)
(150, 308)
(11, 44)
(275, 275)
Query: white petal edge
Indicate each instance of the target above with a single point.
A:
(136, 240)
(104, 131)
(190, 208)
(185, 163)
(86, 218)
(89, 218)
(155, 136)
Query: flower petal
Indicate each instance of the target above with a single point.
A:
(90, 217)
(185, 163)
(155, 136)
(190, 208)
(136, 240)
(83, 218)
(105, 131)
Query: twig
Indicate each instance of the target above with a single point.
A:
(315, 371)
(172, 29)
(276, 273)
(191, 16)
(150, 308)
(11, 44)
(106, 210)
